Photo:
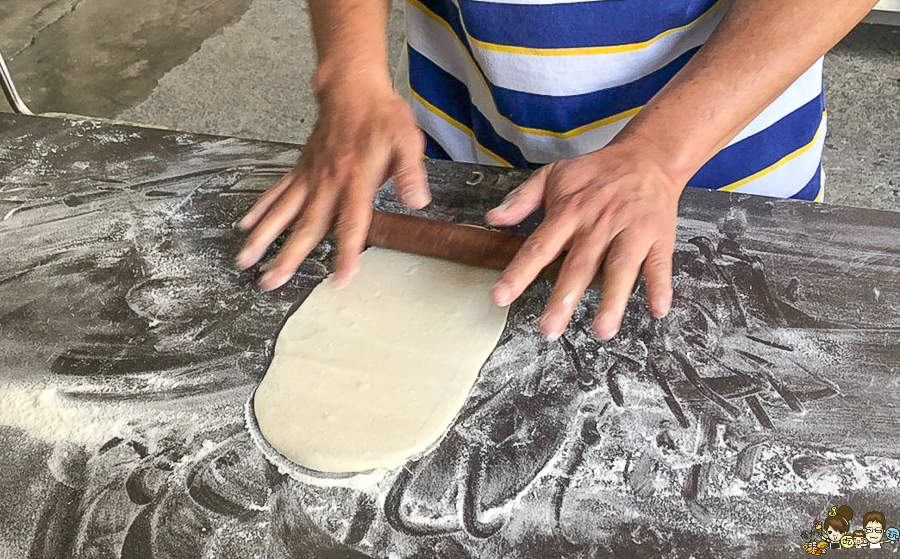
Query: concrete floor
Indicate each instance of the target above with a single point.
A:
(242, 67)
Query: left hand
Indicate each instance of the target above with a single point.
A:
(617, 206)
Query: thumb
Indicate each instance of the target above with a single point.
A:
(408, 171)
(521, 202)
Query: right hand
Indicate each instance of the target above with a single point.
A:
(365, 134)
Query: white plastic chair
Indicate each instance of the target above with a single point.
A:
(9, 89)
(18, 105)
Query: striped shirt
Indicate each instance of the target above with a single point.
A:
(526, 82)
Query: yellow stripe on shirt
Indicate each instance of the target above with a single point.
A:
(462, 128)
(586, 51)
(781, 162)
(568, 134)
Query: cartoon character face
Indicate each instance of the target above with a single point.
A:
(892, 534)
(874, 531)
(847, 542)
(858, 540)
(832, 534)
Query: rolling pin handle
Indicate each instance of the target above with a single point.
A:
(464, 244)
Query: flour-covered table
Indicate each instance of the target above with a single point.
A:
(129, 344)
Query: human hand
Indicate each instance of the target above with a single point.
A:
(616, 206)
(365, 134)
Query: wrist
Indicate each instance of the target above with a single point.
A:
(337, 76)
(648, 155)
(682, 138)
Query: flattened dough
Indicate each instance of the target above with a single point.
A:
(371, 375)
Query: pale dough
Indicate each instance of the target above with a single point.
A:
(368, 376)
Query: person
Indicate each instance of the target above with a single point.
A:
(836, 526)
(617, 105)
(873, 523)
(859, 538)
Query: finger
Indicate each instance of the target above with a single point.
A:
(259, 209)
(280, 215)
(351, 230)
(309, 230)
(578, 269)
(658, 273)
(539, 250)
(408, 171)
(521, 202)
(620, 271)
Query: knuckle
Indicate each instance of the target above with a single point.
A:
(536, 248)
(326, 174)
(401, 187)
(306, 228)
(345, 162)
(616, 208)
(658, 263)
(299, 231)
(603, 221)
(620, 260)
(402, 173)
(580, 265)
(350, 227)
(575, 204)
(344, 159)
(402, 184)
(353, 175)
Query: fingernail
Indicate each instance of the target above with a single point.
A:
(660, 306)
(496, 212)
(607, 326)
(417, 199)
(502, 295)
(243, 260)
(551, 328)
(343, 280)
(244, 222)
(271, 280)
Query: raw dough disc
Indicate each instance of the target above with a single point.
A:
(368, 376)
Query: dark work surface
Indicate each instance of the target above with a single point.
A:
(129, 344)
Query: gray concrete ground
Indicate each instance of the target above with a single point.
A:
(242, 67)
(101, 57)
(862, 149)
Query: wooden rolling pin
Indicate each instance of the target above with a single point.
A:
(464, 244)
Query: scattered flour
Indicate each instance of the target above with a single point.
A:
(45, 414)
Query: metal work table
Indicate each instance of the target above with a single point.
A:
(129, 345)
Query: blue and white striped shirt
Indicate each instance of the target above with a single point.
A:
(526, 82)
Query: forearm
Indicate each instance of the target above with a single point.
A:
(756, 52)
(351, 41)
